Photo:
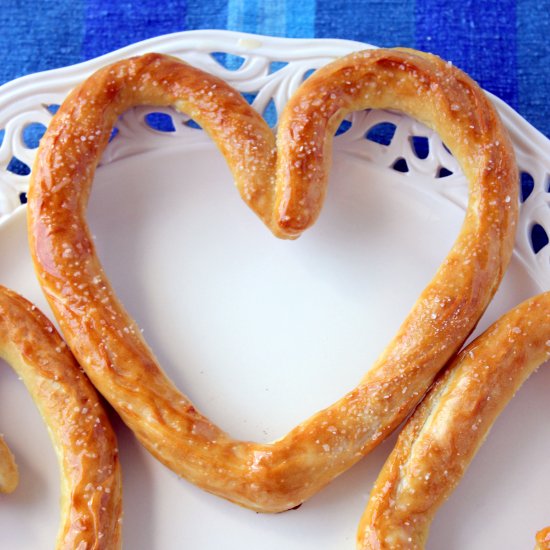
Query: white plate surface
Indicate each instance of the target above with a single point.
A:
(261, 333)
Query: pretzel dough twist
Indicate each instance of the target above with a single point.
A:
(91, 501)
(278, 476)
(443, 435)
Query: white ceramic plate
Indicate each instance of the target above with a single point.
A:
(261, 333)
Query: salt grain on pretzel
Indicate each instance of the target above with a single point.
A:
(91, 502)
(277, 476)
(441, 438)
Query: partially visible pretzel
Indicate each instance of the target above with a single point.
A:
(442, 436)
(91, 501)
(106, 341)
(9, 474)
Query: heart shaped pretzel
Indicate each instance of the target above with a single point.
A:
(284, 184)
(443, 435)
(84, 442)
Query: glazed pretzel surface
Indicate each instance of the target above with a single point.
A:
(284, 182)
(85, 444)
(442, 436)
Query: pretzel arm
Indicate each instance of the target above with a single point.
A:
(78, 426)
(278, 476)
(443, 435)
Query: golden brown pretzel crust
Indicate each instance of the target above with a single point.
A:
(9, 474)
(441, 438)
(91, 502)
(277, 476)
(543, 539)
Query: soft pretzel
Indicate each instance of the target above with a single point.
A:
(277, 476)
(91, 502)
(441, 438)
(543, 539)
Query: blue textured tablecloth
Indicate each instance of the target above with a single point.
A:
(504, 44)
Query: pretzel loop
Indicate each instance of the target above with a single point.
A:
(277, 476)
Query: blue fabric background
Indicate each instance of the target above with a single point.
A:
(504, 44)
